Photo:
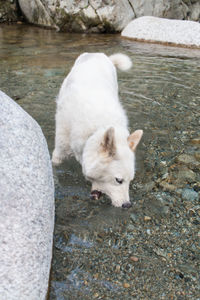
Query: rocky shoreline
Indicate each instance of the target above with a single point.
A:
(94, 15)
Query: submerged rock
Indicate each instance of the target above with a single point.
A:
(186, 175)
(195, 142)
(27, 205)
(189, 195)
(152, 29)
(189, 160)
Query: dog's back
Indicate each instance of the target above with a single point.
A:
(97, 71)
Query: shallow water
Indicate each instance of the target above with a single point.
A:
(94, 242)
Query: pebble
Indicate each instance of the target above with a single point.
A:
(189, 195)
(186, 174)
(187, 160)
(197, 156)
(96, 295)
(134, 218)
(191, 212)
(126, 285)
(147, 218)
(148, 231)
(117, 269)
(134, 258)
(167, 186)
(96, 276)
(149, 186)
(195, 141)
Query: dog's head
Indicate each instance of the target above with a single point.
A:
(109, 163)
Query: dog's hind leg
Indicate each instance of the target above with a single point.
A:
(62, 147)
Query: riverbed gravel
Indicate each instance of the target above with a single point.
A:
(150, 251)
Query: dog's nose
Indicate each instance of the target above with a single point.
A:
(126, 205)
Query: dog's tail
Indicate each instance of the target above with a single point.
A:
(121, 61)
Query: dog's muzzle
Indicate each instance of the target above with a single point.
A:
(95, 195)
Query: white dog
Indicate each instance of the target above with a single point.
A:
(92, 125)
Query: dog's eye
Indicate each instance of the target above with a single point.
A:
(119, 180)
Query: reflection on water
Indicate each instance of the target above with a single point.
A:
(161, 96)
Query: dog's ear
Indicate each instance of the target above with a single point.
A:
(134, 139)
(108, 145)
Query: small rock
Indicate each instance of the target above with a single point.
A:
(134, 218)
(189, 195)
(165, 175)
(117, 269)
(134, 258)
(186, 174)
(195, 141)
(187, 160)
(126, 285)
(149, 186)
(197, 156)
(96, 295)
(161, 252)
(191, 212)
(163, 163)
(184, 159)
(167, 186)
(96, 276)
(130, 227)
(148, 231)
(147, 218)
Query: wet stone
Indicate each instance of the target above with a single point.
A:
(134, 258)
(134, 218)
(149, 186)
(187, 175)
(189, 195)
(167, 186)
(197, 156)
(188, 160)
(195, 141)
(147, 218)
(126, 285)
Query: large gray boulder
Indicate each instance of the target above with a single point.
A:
(104, 16)
(171, 9)
(26, 205)
(153, 29)
(79, 16)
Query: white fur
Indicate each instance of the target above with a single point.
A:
(87, 107)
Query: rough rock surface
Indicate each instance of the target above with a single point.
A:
(175, 9)
(162, 30)
(27, 205)
(8, 11)
(104, 16)
(79, 16)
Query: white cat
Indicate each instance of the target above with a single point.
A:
(92, 125)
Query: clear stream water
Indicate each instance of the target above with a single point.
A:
(161, 94)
